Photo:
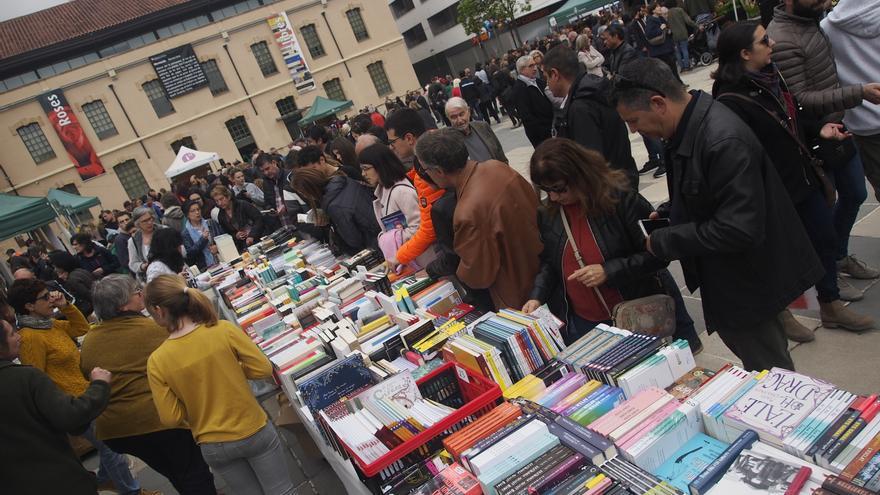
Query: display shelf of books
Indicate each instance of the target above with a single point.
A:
(407, 389)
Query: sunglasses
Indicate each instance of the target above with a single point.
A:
(765, 40)
(620, 83)
(560, 189)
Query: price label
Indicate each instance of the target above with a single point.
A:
(462, 374)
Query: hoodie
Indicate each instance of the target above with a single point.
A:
(854, 30)
(173, 218)
(588, 118)
(349, 204)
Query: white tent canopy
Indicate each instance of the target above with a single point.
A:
(188, 159)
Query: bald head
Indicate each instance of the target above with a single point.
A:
(364, 141)
(23, 274)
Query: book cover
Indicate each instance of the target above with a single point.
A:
(716, 469)
(753, 473)
(690, 460)
(778, 403)
(341, 379)
(454, 480)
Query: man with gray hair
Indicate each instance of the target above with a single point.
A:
(481, 141)
(532, 105)
(495, 223)
(732, 224)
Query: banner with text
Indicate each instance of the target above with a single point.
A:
(179, 71)
(290, 50)
(71, 133)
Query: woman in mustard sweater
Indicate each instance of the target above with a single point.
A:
(47, 344)
(199, 378)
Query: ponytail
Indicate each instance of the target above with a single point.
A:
(170, 293)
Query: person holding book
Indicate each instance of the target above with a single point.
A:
(732, 224)
(198, 236)
(397, 203)
(37, 417)
(596, 205)
(246, 190)
(749, 83)
(47, 344)
(198, 377)
(121, 343)
(166, 254)
(240, 219)
(347, 204)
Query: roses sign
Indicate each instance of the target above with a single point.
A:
(71, 133)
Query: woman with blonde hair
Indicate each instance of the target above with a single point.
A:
(590, 58)
(198, 378)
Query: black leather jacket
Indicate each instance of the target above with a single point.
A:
(734, 228)
(629, 266)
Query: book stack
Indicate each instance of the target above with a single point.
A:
(480, 357)
(864, 468)
(489, 423)
(523, 343)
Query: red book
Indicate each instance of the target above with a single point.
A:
(454, 480)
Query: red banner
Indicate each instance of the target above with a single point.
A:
(71, 133)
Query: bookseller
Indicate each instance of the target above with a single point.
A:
(733, 227)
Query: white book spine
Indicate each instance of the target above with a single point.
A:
(812, 420)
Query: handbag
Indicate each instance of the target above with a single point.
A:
(816, 163)
(649, 315)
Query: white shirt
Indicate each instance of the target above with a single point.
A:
(157, 268)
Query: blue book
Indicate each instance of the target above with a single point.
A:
(690, 460)
(339, 380)
(716, 469)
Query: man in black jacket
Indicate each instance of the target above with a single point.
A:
(92, 257)
(532, 106)
(587, 117)
(275, 179)
(733, 227)
(470, 91)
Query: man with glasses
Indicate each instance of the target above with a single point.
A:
(733, 227)
(495, 221)
(482, 143)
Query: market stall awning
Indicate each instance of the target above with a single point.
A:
(19, 214)
(73, 202)
(188, 159)
(573, 10)
(322, 107)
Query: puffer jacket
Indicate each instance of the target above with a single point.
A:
(349, 204)
(173, 218)
(629, 266)
(803, 54)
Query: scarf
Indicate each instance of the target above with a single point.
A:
(31, 321)
(196, 234)
(767, 78)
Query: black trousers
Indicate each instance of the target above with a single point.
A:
(760, 347)
(669, 59)
(173, 454)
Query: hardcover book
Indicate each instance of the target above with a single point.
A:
(690, 460)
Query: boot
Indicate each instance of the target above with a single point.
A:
(794, 330)
(847, 291)
(835, 315)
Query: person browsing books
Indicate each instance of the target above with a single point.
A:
(240, 219)
(602, 213)
(166, 254)
(198, 377)
(397, 204)
(198, 236)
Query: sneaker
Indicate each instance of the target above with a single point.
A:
(847, 291)
(856, 268)
(648, 166)
(660, 172)
(836, 315)
(794, 330)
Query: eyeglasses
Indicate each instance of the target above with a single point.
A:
(364, 168)
(392, 141)
(559, 189)
(620, 83)
(765, 40)
(44, 297)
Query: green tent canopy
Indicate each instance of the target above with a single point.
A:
(72, 202)
(19, 214)
(322, 107)
(573, 10)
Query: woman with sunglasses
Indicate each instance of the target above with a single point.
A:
(121, 343)
(748, 82)
(596, 205)
(47, 344)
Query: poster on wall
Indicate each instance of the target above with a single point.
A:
(71, 133)
(296, 64)
(179, 71)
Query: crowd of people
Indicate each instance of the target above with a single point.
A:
(752, 226)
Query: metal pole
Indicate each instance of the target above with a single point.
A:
(332, 35)
(240, 80)
(125, 112)
(735, 13)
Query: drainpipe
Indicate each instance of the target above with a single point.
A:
(240, 80)
(8, 180)
(332, 35)
(124, 112)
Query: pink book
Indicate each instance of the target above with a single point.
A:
(626, 411)
(637, 433)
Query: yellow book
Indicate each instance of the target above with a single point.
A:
(369, 327)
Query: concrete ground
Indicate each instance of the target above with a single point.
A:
(843, 358)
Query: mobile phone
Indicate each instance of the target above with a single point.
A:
(649, 225)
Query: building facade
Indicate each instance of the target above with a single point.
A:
(438, 44)
(352, 48)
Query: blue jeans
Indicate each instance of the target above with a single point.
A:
(251, 466)
(816, 217)
(681, 52)
(849, 179)
(113, 466)
(654, 147)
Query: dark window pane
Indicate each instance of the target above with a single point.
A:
(334, 91)
(36, 143)
(131, 178)
(239, 131)
(264, 58)
(380, 79)
(215, 77)
(100, 119)
(310, 36)
(158, 98)
(286, 106)
(357, 24)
